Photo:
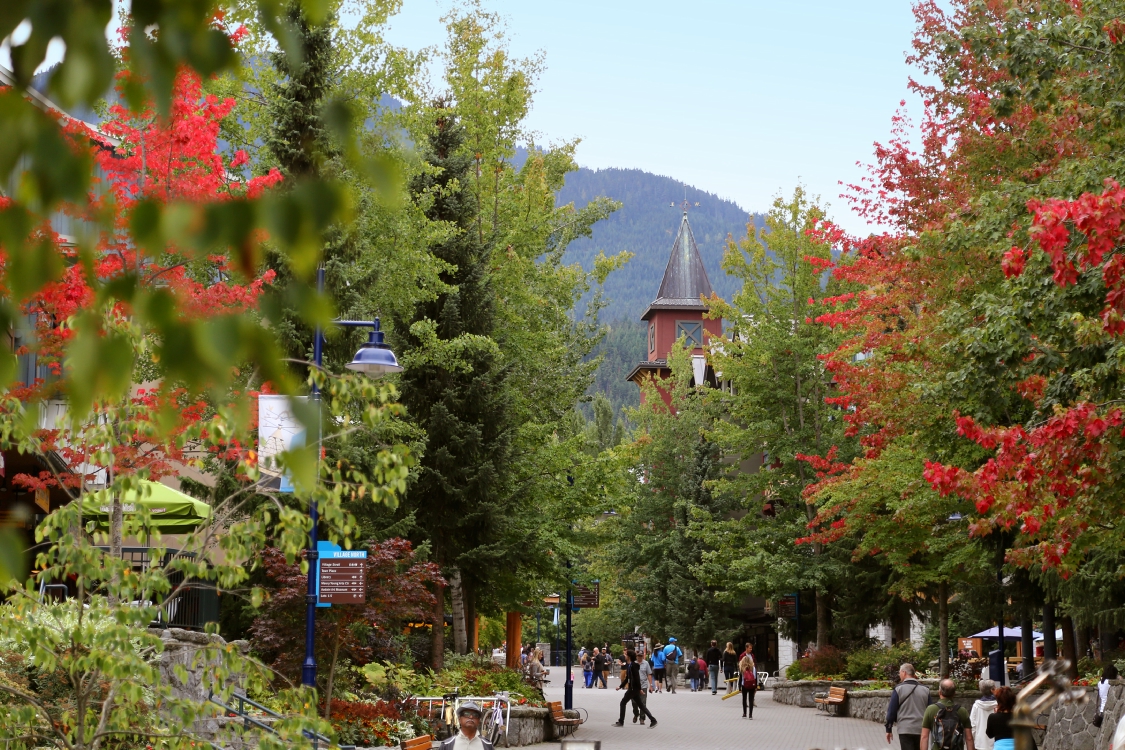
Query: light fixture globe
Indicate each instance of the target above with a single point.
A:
(375, 358)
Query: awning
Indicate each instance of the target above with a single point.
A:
(171, 511)
(1010, 634)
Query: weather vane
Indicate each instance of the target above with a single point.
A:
(686, 203)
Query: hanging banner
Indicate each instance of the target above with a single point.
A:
(278, 431)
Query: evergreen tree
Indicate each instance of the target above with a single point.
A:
(454, 382)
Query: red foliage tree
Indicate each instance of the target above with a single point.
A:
(398, 591)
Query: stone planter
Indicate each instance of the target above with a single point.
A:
(803, 692)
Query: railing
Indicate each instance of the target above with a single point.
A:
(195, 604)
(249, 721)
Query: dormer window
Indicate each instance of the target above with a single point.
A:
(692, 331)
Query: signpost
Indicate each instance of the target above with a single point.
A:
(342, 575)
(787, 607)
(587, 598)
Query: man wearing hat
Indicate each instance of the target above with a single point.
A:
(468, 719)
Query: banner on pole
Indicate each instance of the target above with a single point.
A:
(279, 430)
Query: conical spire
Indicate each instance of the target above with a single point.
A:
(685, 279)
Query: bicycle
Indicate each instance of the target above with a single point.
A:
(497, 716)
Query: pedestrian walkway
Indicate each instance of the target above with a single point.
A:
(690, 721)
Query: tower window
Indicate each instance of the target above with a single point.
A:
(651, 338)
(692, 331)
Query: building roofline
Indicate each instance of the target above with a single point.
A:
(647, 366)
(8, 78)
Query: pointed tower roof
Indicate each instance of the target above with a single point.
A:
(685, 279)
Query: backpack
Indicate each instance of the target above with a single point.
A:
(749, 678)
(947, 733)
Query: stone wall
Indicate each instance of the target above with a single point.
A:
(803, 692)
(1070, 727)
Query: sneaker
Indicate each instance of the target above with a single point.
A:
(653, 725)
(618, 723)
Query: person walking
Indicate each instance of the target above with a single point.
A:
(672, 654)
(730, 667)
(999, 726)
(587, 662)
(692, 674)
(907, 707)
(748, 680)
(599, 667)
(944, 720)
(535, 668)
(607, 662)
(714, 658)
(645, 670)
(658, 660)
(983, 707)
(632, 692)
(1108, 674)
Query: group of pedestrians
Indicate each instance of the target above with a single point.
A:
(943, 725)
(642, 676)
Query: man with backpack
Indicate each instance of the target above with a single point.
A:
(906, 708)
(946, 726)
(672, 654)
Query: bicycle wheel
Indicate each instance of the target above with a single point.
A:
(488, 728)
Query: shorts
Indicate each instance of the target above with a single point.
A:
(658, 674)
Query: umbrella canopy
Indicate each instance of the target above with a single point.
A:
(1010, 634)
(171, 510)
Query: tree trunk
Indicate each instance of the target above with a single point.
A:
(457, 601)
(332, 671)
(470, 617)
(822, 619)
(943, 628)
(1083, 644)
(514, 638)
(1027, 647)
(437, 642)
(116, 522)
(1070, 648)
(1050, 646)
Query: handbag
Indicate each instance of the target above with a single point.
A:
(1098, 718)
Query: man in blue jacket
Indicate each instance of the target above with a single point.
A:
(672, 655)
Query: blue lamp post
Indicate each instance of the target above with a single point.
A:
(374, 359)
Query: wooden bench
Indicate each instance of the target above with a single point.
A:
(425, 742)
(835, 698)
(564, 723)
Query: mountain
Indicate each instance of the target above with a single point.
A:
(645, 225)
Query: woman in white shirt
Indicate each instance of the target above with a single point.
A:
(1109, 673)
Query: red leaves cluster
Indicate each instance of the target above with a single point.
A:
(1038, 480)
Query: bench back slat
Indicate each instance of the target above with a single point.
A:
(418, 743)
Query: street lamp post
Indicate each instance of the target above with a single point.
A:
(374, 359)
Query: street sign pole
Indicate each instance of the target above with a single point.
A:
(568, 692)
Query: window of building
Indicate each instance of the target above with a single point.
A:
(651, 338)
(692, 331)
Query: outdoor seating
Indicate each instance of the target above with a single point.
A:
(563, 723)
(833, 700)
(425, 742)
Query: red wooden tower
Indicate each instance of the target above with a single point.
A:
(678, 311)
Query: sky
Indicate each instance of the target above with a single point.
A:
(745, 99)
(742, 98)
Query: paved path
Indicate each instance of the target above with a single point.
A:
(687, 721)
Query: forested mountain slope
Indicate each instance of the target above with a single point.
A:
(645, 225)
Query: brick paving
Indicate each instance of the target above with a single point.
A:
(688, 720)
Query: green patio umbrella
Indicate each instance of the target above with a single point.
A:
(172, 511)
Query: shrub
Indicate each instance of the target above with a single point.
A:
(825, 662)
(795, 672)
(369, 723)
(882, 663)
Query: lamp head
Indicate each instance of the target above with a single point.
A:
(374, 357)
